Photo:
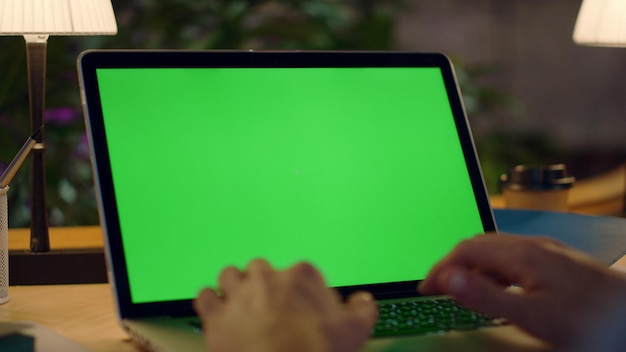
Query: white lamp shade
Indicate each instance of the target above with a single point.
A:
(57, 17)
(602, 23)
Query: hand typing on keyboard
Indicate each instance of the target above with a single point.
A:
(292, 310)
(566, 298)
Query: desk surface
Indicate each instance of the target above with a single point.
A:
(78, 237)
(84, 314)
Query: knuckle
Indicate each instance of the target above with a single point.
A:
(304, 268)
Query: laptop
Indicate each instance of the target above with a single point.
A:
(361, 163)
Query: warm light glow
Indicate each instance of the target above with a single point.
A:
(58, 17)
(602, 23)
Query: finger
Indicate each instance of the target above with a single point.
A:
(208, 303)
(229, 279)
(335, 295)
(310, 284)
(480, 293)
(307, 271)
(363, 308)
(511, 259)
(259, 267)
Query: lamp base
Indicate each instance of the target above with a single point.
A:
(57, 267)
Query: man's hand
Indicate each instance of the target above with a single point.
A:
(262, 309)
(565, 296)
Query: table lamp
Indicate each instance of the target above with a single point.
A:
(602, 23)
(36, 20)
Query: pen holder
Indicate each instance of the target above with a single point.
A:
(4, 245)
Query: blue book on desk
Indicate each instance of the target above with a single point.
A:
(602, 237)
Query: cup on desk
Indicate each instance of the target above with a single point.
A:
(537, 187)
(4, 245)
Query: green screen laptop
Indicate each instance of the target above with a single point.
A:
(361, 163)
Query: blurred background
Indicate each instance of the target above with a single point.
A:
(532, 96)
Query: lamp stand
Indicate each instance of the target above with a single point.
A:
(36, 46)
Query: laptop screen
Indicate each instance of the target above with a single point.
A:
(361, 171)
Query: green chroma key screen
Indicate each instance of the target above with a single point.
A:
(352, 169)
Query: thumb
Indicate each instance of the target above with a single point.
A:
(362, 306)
(207, 303)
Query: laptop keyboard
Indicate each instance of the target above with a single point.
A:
(422, 317)
(428, 317)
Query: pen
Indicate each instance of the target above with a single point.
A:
(17, 161)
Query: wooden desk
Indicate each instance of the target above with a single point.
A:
(60, 238)
(84, 314)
